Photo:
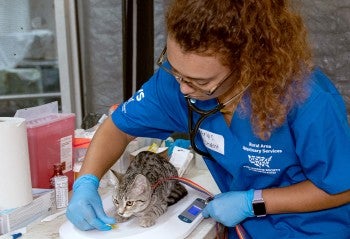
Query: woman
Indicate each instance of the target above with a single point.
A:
(277, 140)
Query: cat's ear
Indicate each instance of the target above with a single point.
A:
(117, 177)
(141, 184)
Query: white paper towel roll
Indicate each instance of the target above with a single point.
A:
(15, 182)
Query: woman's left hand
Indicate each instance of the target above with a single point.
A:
(230, 208)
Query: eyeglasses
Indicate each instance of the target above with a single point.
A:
(181, 79)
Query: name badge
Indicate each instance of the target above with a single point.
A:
(213, 141)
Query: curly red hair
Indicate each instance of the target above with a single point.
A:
(263, 40)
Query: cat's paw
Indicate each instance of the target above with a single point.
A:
(146, 221)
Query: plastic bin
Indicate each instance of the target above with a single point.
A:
(50, 141)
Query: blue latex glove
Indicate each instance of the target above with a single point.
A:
(85, 209)
(230, 208)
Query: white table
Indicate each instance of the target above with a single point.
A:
(206, 229)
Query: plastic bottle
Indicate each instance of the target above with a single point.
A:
(60, 183)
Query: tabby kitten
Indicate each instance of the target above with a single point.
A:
(139, 193)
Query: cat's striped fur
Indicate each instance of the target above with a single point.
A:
(136, 194)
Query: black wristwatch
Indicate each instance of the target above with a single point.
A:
(259, 204)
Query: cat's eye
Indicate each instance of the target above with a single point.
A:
(129, 203)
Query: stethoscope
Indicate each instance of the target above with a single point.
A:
(193, 128)
(192, 131)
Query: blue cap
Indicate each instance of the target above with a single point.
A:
(17, 235)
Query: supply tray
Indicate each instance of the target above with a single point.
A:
(42, 205)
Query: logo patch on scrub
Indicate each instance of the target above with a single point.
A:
(260, 161)
(138, 96)
(260, 156)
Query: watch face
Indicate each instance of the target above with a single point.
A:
(259, 209)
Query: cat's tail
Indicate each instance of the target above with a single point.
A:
(178, 192)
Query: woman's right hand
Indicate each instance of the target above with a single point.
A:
(85, 209)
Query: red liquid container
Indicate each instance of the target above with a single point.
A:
(50, 142)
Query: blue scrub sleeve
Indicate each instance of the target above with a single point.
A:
(156, 110)
(322, 138)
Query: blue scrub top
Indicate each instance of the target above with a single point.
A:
(313, 144)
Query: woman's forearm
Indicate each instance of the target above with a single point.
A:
(301, 197)
(106, 147)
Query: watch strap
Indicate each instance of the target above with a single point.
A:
(258, 195)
